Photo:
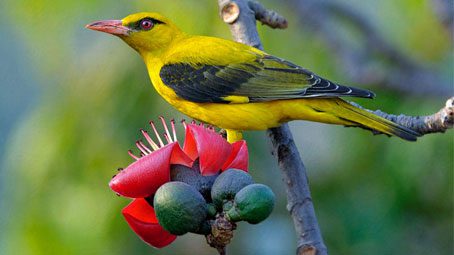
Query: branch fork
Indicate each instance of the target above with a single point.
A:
(241, 16)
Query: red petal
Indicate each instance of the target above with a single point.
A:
(211, 148)
(190, 146)
(143, 177)
(239, 158)
(180, 157)
(142, 219)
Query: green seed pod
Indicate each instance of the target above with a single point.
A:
(228, 184)
(180, 208)
(254, 203)
(211, 211)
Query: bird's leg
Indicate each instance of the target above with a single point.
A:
(234, 135)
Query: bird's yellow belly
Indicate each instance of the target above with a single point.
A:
(252, 116)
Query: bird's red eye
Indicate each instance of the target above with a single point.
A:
(146, 24)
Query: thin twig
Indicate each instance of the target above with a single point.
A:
(241, 18)
(267, 17)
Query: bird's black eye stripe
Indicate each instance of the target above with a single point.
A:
(156, 21)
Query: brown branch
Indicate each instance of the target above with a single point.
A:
(267, 17)
(299, 200)
(241, 16)
(438, 122)
(376, 61)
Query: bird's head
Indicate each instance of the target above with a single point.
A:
(146, 32)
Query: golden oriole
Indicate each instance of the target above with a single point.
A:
(237, 87)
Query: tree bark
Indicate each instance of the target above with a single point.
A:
(241, 16)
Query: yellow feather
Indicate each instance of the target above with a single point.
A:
(236, 99)
(166, 44)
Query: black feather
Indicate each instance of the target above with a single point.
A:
(266, 79)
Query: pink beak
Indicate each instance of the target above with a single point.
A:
(114, 27)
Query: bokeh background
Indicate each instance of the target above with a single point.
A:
(72, 102)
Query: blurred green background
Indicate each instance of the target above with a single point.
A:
(72, 102)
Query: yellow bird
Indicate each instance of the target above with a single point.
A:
(237, 87)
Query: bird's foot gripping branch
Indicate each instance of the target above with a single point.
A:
(202, 187)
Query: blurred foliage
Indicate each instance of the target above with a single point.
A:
(78, 98)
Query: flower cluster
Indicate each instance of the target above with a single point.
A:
(142, 178)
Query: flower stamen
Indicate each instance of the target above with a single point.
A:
(149, 140)
(164, 124)
(132, 155)
(145, 147)
(142, 147)
(156, 133)
(172, 123)
(168, 139)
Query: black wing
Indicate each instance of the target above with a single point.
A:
(265, 79)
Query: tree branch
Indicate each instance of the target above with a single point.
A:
(438, 122)
(403, 74)
(364, 64)
(241, 16)
(267, 17)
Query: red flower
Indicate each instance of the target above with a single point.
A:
(142, 178)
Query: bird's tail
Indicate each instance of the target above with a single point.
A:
(338, 111)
